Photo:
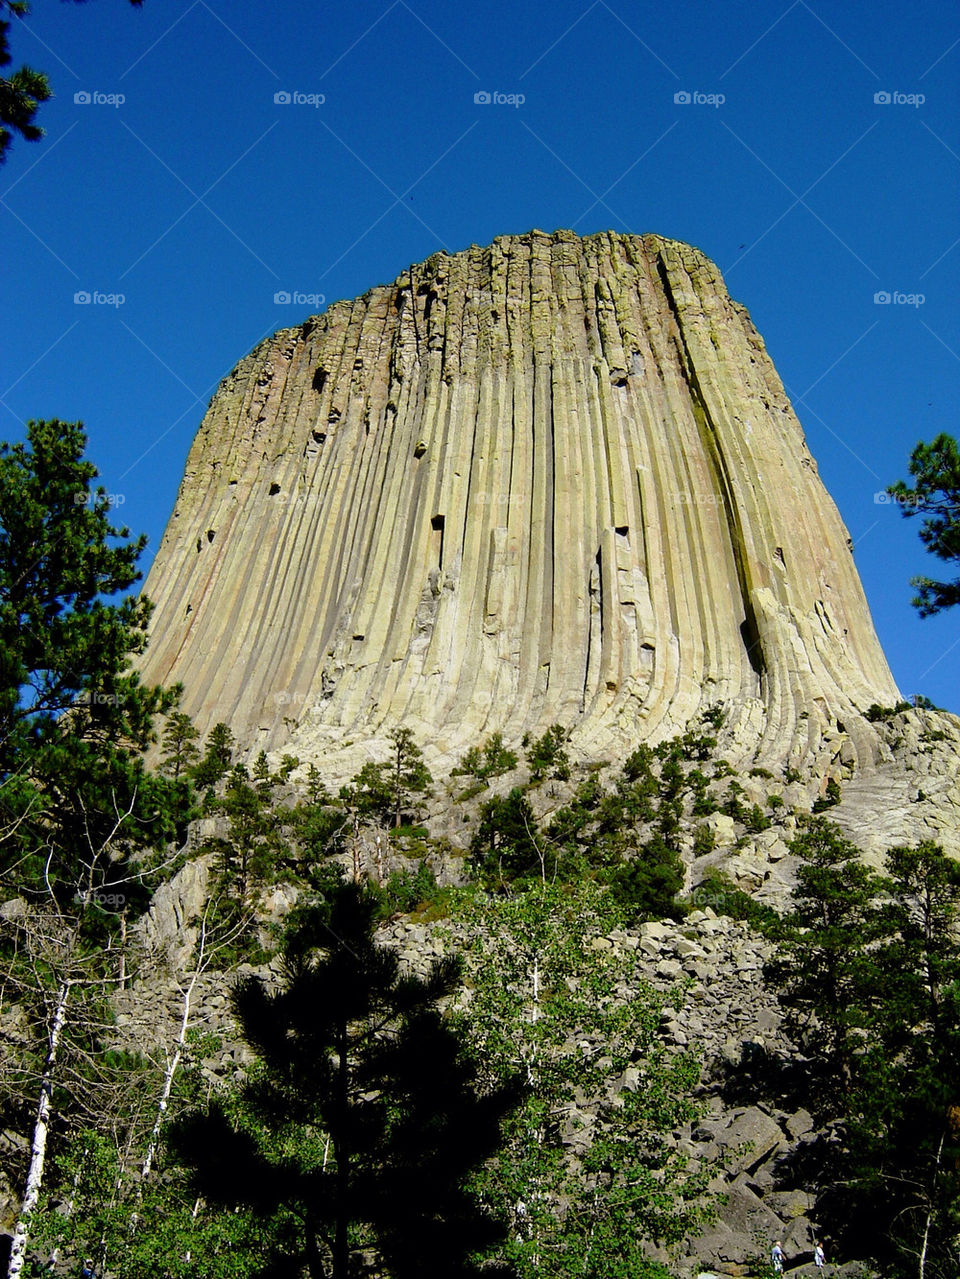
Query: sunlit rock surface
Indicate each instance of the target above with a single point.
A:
(553, 479)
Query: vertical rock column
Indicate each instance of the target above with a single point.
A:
(555, 479)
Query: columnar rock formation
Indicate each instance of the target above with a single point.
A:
(555, 479)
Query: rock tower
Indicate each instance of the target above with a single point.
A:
(556, 479)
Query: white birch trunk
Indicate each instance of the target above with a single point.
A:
(38, 1148)
(170, 1074)
(926, 1228)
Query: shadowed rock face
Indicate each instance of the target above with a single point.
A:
(555, 479)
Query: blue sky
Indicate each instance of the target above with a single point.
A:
(199, 197)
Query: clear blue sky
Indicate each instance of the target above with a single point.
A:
(200, 197)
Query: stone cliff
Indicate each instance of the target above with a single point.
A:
(554, 479)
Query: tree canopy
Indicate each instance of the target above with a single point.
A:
(934, 494)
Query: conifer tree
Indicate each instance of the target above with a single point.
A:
(81, 817)
(934, 494)
(362, 1123)
(179, 745)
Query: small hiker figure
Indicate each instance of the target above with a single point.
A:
(88, 1272)
(776, 1257)
(819, 1259)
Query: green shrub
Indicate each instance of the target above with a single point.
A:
(547, 755)
(704, 840)
(647, 886)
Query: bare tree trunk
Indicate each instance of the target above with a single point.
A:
(174, 1063)
(380, 858)
(123, 951)
(38, 1148)
(188, 1255)
(927, 1224)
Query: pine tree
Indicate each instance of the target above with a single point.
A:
(935, 495)
(22, 92)
(827, 970)
(179, 751)
(362, 1122)
(82, 820)
(217, 757)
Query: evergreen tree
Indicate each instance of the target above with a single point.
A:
(507, 844)
(827, 970)
(388, 791)
(407, 774)
(179, 743)
(362, 1124)
(82, 820)
(217, 757)
(869, 971)
(903, 1148)
(935, 494)
(23, 91)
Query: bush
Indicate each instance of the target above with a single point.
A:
(405, 890)
(755, 819)
(492, 761)
(547, 754)
(704, 840)
(505, 845)
(647, 886)
(876, 714)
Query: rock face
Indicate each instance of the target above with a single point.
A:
(552, 480)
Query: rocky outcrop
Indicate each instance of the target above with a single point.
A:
(554, 479)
